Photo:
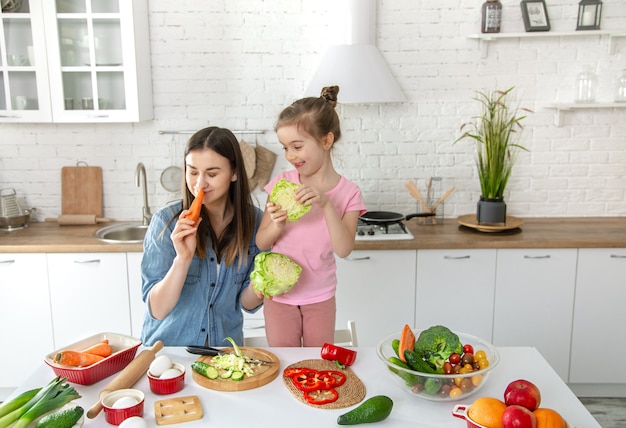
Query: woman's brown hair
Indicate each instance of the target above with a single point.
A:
(314, 115)
(236, 237)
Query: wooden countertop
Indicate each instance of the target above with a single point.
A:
(559, 232)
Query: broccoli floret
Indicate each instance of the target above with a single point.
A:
(436, 344)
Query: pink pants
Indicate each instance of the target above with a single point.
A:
(295, 326)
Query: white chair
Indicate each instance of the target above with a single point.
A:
(346, 336)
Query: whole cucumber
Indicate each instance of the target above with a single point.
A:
(65, 418)
(416, 363)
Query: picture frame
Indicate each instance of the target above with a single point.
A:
(535, 14)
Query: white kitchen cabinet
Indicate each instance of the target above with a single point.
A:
(534, 302)
(598, 338)
(88, 295)
(91, 62)
(137, 306)
(25, 318)
(377, 290)
(455, 288)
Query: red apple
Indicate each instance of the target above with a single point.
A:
(518, 417)
(523, 393)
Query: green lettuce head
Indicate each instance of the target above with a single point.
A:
(274, 273)
(284, 194)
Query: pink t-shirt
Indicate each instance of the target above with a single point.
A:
(307, 242)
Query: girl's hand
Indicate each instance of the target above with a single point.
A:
(184, 235)
(307, 195)
(278, 216)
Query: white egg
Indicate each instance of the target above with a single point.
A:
(160, 365)
(168, 374)
(134, 422)
(124, 402)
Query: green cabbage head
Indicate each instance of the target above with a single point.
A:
(284, 194)
(274, 273)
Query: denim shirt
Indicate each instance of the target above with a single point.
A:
(209, 307)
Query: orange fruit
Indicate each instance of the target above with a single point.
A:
(487, 411)
(548, 418)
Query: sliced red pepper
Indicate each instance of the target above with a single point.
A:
(340, 378)
(321, 396)
(291, 372)
(308, 381)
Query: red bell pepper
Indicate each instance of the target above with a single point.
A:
(343, 356)
(321, 396)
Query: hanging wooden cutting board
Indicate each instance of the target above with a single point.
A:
(81, 190)
(263, 374)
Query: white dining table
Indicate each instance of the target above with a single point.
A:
(273, 405)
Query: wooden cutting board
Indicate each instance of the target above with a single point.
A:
(81, 190)
(263, 374)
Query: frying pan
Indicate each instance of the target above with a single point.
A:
(381, 217)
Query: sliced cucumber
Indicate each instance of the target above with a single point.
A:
(205, 369)
(237, 375)
(225, 374)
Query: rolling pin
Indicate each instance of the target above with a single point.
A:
(78, 219)
(127, 377)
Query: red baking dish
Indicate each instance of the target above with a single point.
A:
(124, 350)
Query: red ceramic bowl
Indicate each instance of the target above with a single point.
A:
(168, 386)
(462, 411)
(116, 416)
(124, 350)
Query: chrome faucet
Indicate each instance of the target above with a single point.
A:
(140, 172)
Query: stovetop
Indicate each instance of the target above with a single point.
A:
(382, 232)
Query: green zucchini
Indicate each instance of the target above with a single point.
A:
(204, 369)
(65, 418)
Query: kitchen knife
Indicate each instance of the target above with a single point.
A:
(128, 376)
(207, 350)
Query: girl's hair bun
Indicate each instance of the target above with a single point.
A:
(329, 93)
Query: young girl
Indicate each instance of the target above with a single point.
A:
(305, 316)
(195, 276)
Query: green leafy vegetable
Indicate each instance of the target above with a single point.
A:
(54, 395)
(274, 273)
(284, 194)
(436, 344)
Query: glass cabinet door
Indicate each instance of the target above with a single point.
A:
(93, 74)
(23, 79)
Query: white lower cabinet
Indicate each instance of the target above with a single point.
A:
(25, 318)
(137, 306)
(598, 337)
(377, 290)
(455, 288)
(534, 302)
(88, 295)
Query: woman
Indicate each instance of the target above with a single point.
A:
(195, 276)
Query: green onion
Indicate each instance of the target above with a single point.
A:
(17, 402)
(54, 395)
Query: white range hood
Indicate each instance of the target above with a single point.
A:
(357, 66)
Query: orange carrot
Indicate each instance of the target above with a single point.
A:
(103, 349)
(76, 358)
(407, 341)
(196, 206)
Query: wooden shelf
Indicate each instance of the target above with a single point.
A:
(561, 107)
(485, 38)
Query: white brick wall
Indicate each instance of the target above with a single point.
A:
(238, 63)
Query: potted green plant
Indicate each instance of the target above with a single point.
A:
(496, 132)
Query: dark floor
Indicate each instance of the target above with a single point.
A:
(609, 412)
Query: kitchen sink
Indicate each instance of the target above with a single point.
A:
(127, 233)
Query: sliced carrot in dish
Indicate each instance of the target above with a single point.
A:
(196, 206)
(407, 341)
(102, 348)
(76, 358)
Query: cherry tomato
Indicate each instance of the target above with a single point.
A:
(480, 355)
(468, 358)
(468, 349)
(447, 368)
(454, 358)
